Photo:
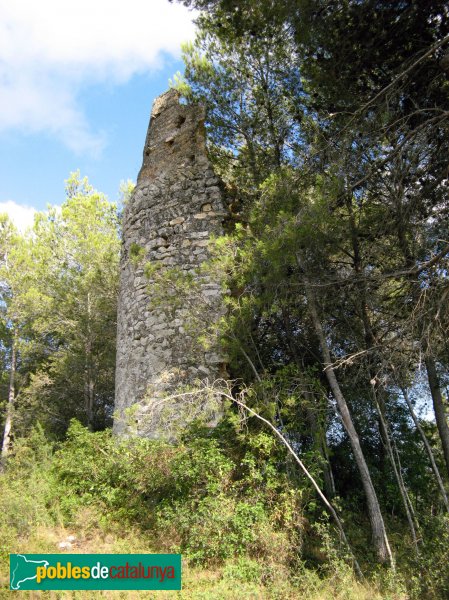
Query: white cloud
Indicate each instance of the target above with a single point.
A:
(51, 49)
(21, 216)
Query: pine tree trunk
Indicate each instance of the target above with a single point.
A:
(380, 539)
(89, 382)
(89, 393)
(398, 475)
(438, 406)
(320, 443)
(428, 449)
(9, 411)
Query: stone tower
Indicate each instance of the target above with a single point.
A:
(176, 206)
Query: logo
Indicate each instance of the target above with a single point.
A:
(95, 571)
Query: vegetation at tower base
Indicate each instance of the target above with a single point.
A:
(229, 499)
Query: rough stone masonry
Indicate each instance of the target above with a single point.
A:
(176, 206)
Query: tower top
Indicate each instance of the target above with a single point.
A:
(176, 135)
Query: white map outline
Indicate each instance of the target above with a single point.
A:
(38, 562)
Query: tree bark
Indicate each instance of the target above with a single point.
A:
(432, 375)
(410, 513)
(308, 475)
(428, 449)
(379, 402)
(362, 306)
(379, 533)
(320, 443)
(89, 390)
(9, 411)
(438, 406)
(89, 381)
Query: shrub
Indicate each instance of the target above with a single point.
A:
(27, 490)
(125, 476)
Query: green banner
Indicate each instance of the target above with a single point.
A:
(95, 571)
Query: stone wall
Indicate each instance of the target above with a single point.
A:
(175, 208)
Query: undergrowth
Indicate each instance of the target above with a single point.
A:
(242, 527)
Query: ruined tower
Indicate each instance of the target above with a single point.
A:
(176, 206)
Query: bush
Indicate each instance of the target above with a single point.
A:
(205, 497)
(126, 477)
(189, 495)
(27, 490)
(244, 569)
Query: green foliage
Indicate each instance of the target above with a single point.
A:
(179, 82)
(186, 495)
(27, 491)
(200, 498)
(344, 198)
(126, 189)
(137, 254)
(59, 303)
(171, 289)
(210, 520)
(433, 560)
(244, 569)
(95, 468)
(328, 123)
(248, 85)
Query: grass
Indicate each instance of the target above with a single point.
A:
(238, 579)
(38, 512)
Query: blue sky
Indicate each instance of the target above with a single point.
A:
(77, 80)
